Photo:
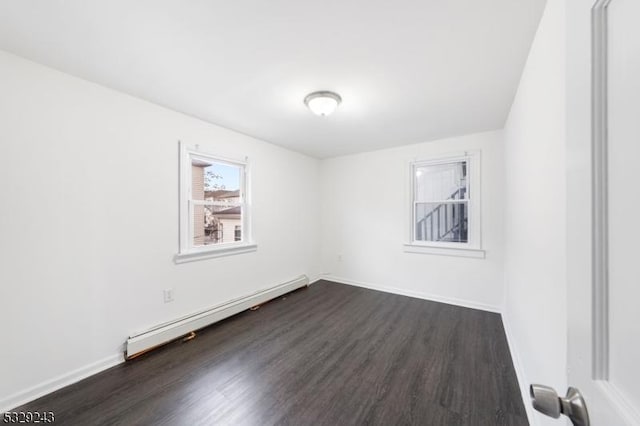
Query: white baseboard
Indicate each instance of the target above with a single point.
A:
(35, 392)
(523, 383)
(61, 381)
(198, 320)
(415, 294)
(316, 279)
(171, 330)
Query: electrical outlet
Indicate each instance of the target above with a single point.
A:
(339, 257)
(168, 295)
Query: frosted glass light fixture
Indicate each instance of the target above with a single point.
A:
(322, 103)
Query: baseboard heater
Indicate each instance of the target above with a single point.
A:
(142, 342)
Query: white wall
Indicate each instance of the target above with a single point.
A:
(365, 213)
(535, 219)
(89, 223)
(89, 220)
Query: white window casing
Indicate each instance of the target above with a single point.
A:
(188, 251)
(473, 246)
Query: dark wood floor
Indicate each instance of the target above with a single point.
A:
(327, 355)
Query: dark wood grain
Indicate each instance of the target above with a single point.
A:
(331, 354)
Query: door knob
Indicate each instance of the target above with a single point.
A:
(547, 401)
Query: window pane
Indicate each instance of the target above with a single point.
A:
(447, 222)
(217, 224)
(198, 225)
(215, 181)
(437, 182)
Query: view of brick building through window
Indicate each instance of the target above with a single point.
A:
(219, 219)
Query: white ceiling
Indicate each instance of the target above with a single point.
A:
(408, 71)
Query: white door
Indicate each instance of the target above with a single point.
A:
(603, 186)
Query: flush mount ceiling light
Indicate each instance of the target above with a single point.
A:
(322, 103)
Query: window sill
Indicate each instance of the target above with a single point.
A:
(214, 252)
(445, 251)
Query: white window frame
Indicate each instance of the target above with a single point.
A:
(473, 247)
(187, 251)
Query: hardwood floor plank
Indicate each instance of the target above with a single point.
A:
(331, 354)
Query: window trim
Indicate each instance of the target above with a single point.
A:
(472, 248)
(186, 251)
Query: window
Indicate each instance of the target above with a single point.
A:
(445, 217)
(213, 202)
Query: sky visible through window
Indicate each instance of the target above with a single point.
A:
(229, 176)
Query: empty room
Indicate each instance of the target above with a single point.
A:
(319, 213)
